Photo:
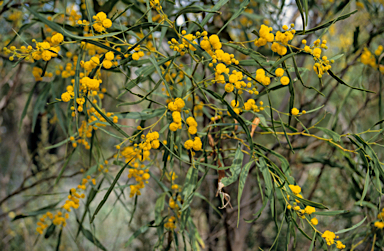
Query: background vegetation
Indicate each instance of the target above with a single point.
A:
(331, 147)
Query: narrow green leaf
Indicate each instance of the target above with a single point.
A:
(108, 119)
(92, 238)
(101, 204)
(235, 167)
(285, 134)
(343, 83)
(50, 231)
(40, 211)
(353, 227)
(331, 213)
(141, 230)
(242, 8)
(27, 103)
(333, 135)
(64, 166)
(365, 190)
(309, 203)
(325, 25)
(300, 7)
(242, 180)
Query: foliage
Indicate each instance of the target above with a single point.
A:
(173, 102)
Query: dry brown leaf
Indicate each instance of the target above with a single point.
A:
(255, 123)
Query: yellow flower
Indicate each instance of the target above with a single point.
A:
(173, 127)
(340, 245)
(109, 55)
(314, 221)
(191, 121)
(57, 38)
(192, 130)
(197, 144)
(294, 111)
(135, 56)
(379, 224)
(220, 68)
(107, 23)
(284, 80)
(229, 88)
(295, 189)
(309, 210)
(188, 144)
(279, 72)
(329, 237)
(107, 64)
(65, 96)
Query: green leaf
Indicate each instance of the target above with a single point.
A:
(285, 133)
(333, 135)
(365, 190)
(92, 238)
(300, 7)
(242, 179)
(234, 115)
(40, 211)
(336, 57)
(145, 114)
(101, 204)
(192, 9)
(27, 103)
(243, 6)
(343, 83)
(309, 203)
(235, 167)
(331, 213)
(313, 241)
(64, 166)
(59, 240)
(50, 231)
(22, 28)
(141, 230)
(39, 106)
(325, 25)
(352, 228)
(299, 75)
(281, 60)
(108, 119)
(215, 8)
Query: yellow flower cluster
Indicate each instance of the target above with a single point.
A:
(56, 219)
(45, 50)
(131, 153)
(329, 237)
(176, 108)
(72, 202)
(155, 4)
(380, 224)
(193, 144)
(296, 111)
(368, 58)
(251, 105)
(192, 125)
(308, 210)
(279, 72)
(262, 78)
(138, 53)
(102, 22)
(36, 72)
(141, 176)
(171, 223)
(322, 64)
(188, 40)
(279, 41)
(69, 70)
